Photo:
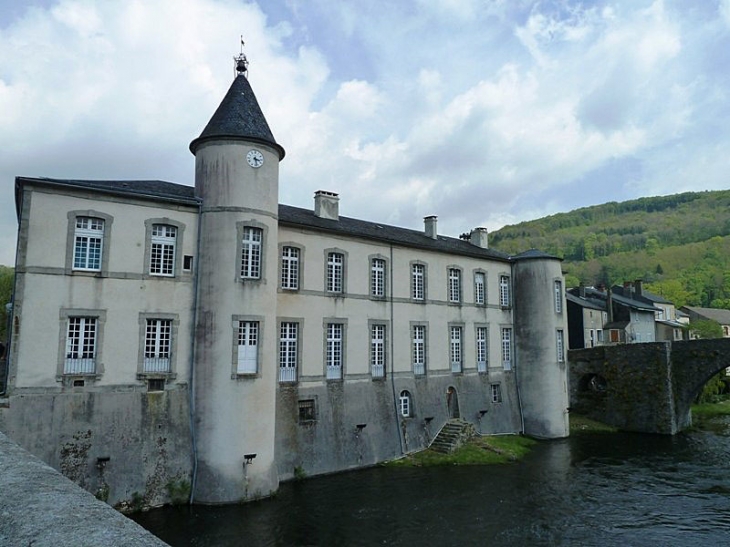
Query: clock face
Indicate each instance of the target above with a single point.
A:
(255, 159)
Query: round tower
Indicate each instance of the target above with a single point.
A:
(234, 389)
(541, 343)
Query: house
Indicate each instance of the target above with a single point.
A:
(718, 315)
(164, 333)
(587, 316)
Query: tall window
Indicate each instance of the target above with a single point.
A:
(377, 351)
(419, 349)
(158, 337)
(248, 344)
(481, 349)
(335, 267)
(561, 346)
(334, 351)
(377, 277)
(251, 253)
(480, 292)
(88, 237)
(418, 275)
(558, 296)
(507, 348)
(454, 285)
(496, 393)
(162, 251)
(81, 341)
(455, 348)
(288, 335)
(504, 295)
(290, 268)
(404, 404)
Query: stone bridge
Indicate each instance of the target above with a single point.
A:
(644, 387)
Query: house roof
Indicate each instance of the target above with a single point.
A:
(590, 303)
(722, 316)
(288, 215)
(627, 298)
(238, 117)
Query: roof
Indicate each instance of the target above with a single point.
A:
(288, 215)
(655, 297)
(619, 295)
(722, 316)
(590, 303)
(534, 253)
(617, 325)
(238, 117)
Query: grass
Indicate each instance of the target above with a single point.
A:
(708, 410)
(478, 451)
(580, 424)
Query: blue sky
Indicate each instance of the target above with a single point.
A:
(483, 112)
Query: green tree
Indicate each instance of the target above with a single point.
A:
(706, 328)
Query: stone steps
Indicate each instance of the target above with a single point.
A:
(452, 435)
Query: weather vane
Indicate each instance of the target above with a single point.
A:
(240, 62)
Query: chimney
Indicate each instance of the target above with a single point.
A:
(430, 226)
(637, 287)
(609, 305)
(479, 237)
(326, 205)
(581, 290)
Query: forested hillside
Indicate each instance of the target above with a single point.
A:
(679, 245)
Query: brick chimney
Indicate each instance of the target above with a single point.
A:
(637, 287)
(430, 226)
(480, 238)
(326, 205)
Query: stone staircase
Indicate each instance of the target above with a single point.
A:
(452, 435)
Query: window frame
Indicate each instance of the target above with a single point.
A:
(72, 217)
(481, 347)
(335, 344)
(378, 349)
(142, 371)
(505, 291)
(456, 348)
(415, 285)
(506, 347)
(332, 272)
(454, 282)
(236, 320)
(294, 279)
(495, 391)
(558, 295)
(378, 277)
(65, 314)
(405, 404)
(290, 373)
(480, 288)
(419, 369)
(178, 258)
(560, 345)
(251, 256)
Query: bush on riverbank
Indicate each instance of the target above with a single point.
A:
(481, 450)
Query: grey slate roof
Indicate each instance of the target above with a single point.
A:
(590, 303)
(238, 117)
(534, 253)
(722, 316)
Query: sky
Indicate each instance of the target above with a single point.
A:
(482, 112)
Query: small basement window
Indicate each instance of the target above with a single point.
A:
(156, 384)
(79, 383)
(306, 411)
(188, 263)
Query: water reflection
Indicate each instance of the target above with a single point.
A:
(596, 490)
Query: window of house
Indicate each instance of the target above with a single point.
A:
(455, 348)
(251, 252)
(504, 292)
(591, 334)
(188, 263)
(81, 345)
(377, 351)
(404, 403)
(162, 250)
(496, 390)
(88, 237)
(307, 411)
(561, 346)
(419, 349)
(479, 289)
(558, 288)
(481, 334)
(418, 278)
(377, 277)
(454, 285)
(507, 348)
(248, 344)
(599, 335)
(335, 270)
(334, 351)
(158, 336)
(288, 336)
(290, 268)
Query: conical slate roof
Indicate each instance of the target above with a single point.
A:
(238, 117)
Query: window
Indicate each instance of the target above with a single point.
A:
(88, 237)
(496, 390)
(288, 335)
(158, 335)
(334, 351)
(377, 277)
(248, 343)
(81, 345)
(418, 285)
(251, 253)
(454, 285)
(561, 346)
(479, 289)
(507, 348)
(455, 349)
(599, 336)
(592, 341)
(377, 351)
(188, 263)
(558, 296)
(419, 349)
(335, 267)
(290, 268)
(162, 250)
(504, 295)
(404, 404)
(481, 349)
(307, 411)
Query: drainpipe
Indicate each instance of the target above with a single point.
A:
(191, 383)
(392, 360)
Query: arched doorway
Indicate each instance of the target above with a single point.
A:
(452, 402)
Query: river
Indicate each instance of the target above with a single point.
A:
(593, 490)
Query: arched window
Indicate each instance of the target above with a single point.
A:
(404, 404)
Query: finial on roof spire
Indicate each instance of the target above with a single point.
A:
(240, 62)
